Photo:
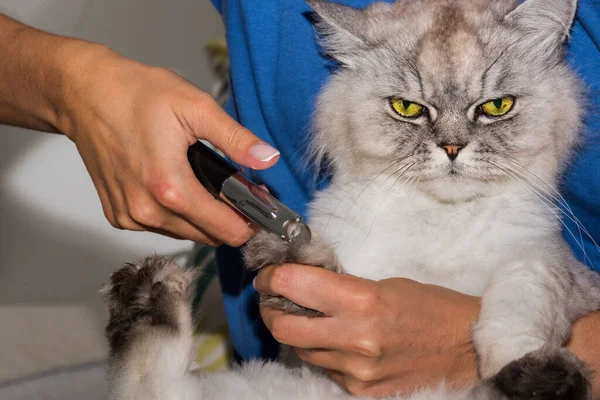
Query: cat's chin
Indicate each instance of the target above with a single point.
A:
(455, 189)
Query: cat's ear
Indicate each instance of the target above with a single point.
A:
(546, 21)
(342, 29)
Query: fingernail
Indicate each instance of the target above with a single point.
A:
(264, 152)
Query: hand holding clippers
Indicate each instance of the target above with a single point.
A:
(226, 183)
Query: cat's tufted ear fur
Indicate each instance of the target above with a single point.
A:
(546, 23)
(342, 30)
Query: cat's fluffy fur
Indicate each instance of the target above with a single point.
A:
(485, 224)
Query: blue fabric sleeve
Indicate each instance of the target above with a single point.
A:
(216, 4)
(276, 72)
(581, 186)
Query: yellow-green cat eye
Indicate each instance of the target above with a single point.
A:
(406, 108)
(498, 107)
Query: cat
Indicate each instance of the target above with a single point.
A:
(446, 127)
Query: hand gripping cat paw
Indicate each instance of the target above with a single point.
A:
(267, 249)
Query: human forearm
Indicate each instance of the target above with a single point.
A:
(585, 344)
(36, 69)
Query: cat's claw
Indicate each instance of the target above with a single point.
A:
(288, 306)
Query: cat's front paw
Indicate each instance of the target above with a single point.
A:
(545, 374)
(266, 249)
(151, 292)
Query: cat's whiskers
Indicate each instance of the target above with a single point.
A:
(474, 193)
(412, 178)
(558, 198)
(544, 200)
(402, 170)
(412, 184)
(571, 216)
(369, 184)
(395, 163)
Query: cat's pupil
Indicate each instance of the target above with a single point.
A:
(406, 104)
(498, 103)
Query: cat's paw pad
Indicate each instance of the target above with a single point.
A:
(545, 374)
(146, 292)
(288, 306)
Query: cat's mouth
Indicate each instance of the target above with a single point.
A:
(457, 175)
(455, 171)
(466, 176)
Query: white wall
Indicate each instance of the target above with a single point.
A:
(56, 248)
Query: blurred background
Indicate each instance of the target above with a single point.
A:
(56, 248)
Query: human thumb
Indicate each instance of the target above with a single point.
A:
(237, 142)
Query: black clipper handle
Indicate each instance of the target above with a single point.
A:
(224, 182)
(211, 169)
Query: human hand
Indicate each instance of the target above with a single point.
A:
(132, 125)
(584, 343)
(377, 338)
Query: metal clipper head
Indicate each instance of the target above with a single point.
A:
(296, 231)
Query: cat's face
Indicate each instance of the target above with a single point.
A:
(456, 96)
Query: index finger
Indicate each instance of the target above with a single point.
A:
(177, 189)
(312, 287)
(304, 332)
(214, 216)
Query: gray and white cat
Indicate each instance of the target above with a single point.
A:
(446, 126)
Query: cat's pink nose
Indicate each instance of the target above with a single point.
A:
(452, 150)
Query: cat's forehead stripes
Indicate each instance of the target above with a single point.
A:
(450, 56)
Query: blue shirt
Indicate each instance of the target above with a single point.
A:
(276, 73)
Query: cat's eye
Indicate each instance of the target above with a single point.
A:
(498, 107)
(406, 108)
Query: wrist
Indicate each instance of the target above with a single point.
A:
(460, 313)
(467, 313)
(79, 67)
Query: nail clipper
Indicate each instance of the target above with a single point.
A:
(226, 183)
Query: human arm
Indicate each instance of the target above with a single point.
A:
(394, 335)
(32, 76)
(132, 125)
